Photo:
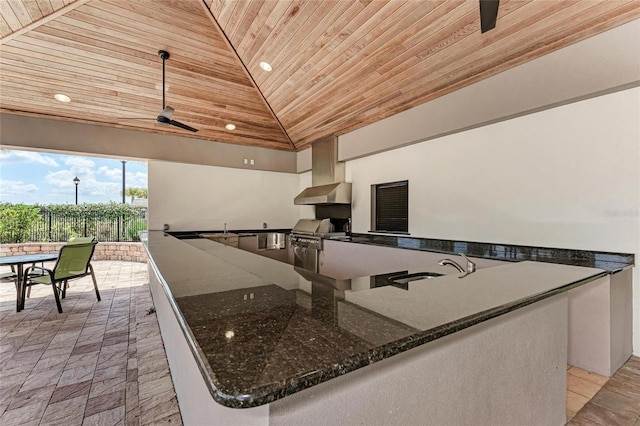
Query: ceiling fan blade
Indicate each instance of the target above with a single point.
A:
(183, 126)
(167, 112)
(488, 14)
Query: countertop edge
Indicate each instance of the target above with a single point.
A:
(264, 395)
(497, 251)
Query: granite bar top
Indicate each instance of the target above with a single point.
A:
(185, 235)
(260, 331)
(612, 262)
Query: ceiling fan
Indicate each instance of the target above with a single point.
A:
(488, 14)
(164, 117)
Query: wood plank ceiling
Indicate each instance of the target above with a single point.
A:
(337, 65)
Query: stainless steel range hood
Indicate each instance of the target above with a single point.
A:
(327, 176)
(334, 193)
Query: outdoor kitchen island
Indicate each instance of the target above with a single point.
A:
(244, 331)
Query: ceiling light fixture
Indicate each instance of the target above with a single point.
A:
(230, 126)
(266, 66)
(62, 98)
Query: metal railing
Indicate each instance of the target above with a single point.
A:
(54, 227)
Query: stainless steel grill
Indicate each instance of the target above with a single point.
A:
(306, 240)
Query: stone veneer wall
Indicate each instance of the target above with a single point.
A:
(132, 252)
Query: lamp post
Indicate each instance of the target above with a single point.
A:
(123, 161)
(123, 200)
(76, 181)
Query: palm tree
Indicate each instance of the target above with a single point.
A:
(134, 193)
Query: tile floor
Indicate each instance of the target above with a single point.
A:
(97, 363)
(103, 362)
(582, 385)
(611, 401)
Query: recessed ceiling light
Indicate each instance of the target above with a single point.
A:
(62, 98)
(230, 126)
(266, 66)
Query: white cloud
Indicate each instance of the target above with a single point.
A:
(27, 157)
(79, 162)
(113, 174)
(137, 179)
(99, 180)
(60, 179)
(16, 187)
(89, 185)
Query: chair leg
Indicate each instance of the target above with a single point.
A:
(95, 284)
(64, 288)
(55, 294)
(29, 288)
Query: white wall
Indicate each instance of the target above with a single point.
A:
(43, 134)
(190, 197)
(567, 177)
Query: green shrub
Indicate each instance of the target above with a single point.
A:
(134, 230)
(16, 221)
(59, 222)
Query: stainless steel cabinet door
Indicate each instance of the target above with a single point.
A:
(305, 257)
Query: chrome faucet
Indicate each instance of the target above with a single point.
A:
(449, 262)
(225, 227)
(471, 266)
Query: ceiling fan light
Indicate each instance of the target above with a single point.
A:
(60, 97)
(230, 126)
(266, 66)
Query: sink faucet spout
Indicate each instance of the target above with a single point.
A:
(449, 262)
(471, 266)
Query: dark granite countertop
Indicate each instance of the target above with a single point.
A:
(612, 262)
(260, 331)
(185, 235)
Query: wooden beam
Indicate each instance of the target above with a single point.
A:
(43, 20)
(246, 70)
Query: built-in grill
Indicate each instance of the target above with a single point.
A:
(306, 241)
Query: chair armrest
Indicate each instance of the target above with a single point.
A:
(8, 276)
(41, 270)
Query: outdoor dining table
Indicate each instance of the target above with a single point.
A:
(19, 262)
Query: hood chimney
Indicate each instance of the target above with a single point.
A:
(327, 176)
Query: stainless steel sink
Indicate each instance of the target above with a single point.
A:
(272, 240)
(405, 278)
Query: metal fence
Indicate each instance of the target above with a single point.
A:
(56, 227)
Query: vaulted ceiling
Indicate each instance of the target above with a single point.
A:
(337, 65)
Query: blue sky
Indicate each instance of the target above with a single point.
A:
(31, 177)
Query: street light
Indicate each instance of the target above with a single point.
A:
(76, 181)
(123, 200)
(123, 161)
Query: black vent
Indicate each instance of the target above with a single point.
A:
(392, 207)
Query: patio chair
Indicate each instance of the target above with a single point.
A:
(72, 240)
(9, 276)
(81, 240)
(73, 262)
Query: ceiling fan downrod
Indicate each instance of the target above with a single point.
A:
(164, 55)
